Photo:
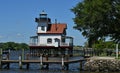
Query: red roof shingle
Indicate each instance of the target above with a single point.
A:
(56, 28)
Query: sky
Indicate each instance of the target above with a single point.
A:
(17, 18)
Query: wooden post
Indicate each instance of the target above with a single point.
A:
(8, 64)
(41, 61)
(22, 54)
(0, 61)
(1, 51)
(20, 62)
(84, 53)
(27, 65)
(67, 66)
(67, 59)
(7, 56)
(0, 58)
(117, 51)
(80, 65)
(47, 65)
(46, 57)
(27, 56)
(62, 62)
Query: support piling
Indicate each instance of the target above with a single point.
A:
(0, 61)
(20, 62)
(41, 61)
(81, 65)
(63, 66)
(0, 58)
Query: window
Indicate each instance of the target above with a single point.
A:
(42, 28)
(57, 40)
(49, 40)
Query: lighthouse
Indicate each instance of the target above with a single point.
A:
(51, 38)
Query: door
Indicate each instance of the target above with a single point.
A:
(57, 42)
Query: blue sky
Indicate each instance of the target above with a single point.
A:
(17, 18)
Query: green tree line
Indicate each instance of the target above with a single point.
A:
(13, 46)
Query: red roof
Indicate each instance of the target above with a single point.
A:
(56, 28)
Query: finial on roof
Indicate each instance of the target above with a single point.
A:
(43, 12)
(56, 24)
(55, 21)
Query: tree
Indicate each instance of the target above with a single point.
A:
(97, 19)
(101, 44)
(24, 46)
(13, 46)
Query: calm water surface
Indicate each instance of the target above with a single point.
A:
(35, 68)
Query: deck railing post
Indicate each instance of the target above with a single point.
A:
(8, 56)
(46, 57)
(20, 62)
(67, 57)
(27, 56)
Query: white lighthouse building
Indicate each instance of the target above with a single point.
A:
(51, 37)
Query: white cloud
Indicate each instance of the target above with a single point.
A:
(18, 34)
(1, 36)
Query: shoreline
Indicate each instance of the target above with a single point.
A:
(102, 64)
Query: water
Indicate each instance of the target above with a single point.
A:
(35, 68)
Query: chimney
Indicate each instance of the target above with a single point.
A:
(56, 24)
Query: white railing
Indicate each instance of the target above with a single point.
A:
(61, 44)
(33, 44)
(64, 44)
(36, 44)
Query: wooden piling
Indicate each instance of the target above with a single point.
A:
(67, 59)
(80, 65)
(41, 61)
(23, 54)
(1, 51)
(7, 58)
(67, 66)
(63, 62)
(0, 58)
(8, 65)
(20, 62)
(27, 58)
(47, 65)
(27, 65)
(0, 61)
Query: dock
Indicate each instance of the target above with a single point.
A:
(24, 60)
(43, 61)
(38, 61)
